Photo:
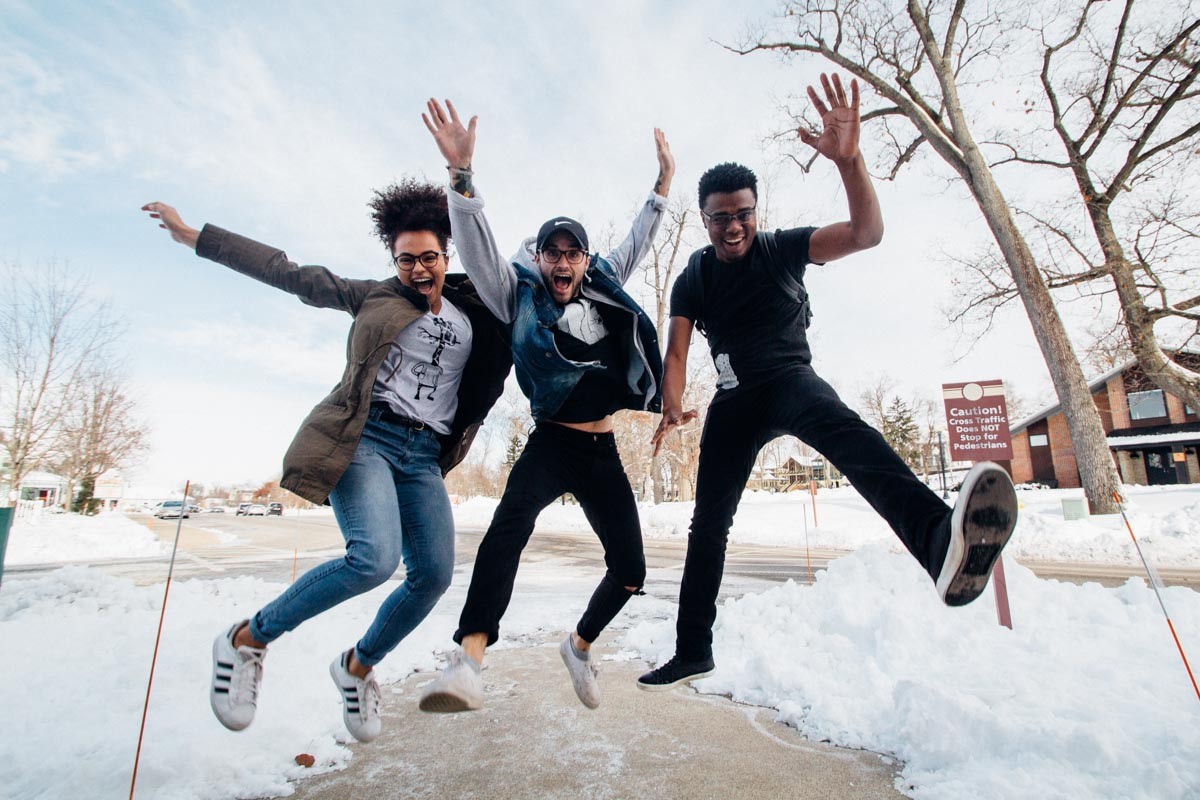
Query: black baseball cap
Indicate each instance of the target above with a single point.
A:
(553, 226)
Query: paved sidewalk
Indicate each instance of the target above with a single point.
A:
(534, 739)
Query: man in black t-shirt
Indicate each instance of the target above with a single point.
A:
(746, 293)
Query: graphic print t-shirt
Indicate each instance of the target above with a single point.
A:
(754, 330)
(419, 378)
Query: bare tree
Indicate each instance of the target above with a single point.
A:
(667, 258)
(100, 430)
(1118, 86)
(51, 333)
(917, 58)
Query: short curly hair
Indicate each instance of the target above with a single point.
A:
(726, 178)
(410, 205)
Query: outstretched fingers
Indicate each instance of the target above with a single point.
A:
(818, 104)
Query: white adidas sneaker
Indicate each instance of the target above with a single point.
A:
(360, 700)
(236, 678)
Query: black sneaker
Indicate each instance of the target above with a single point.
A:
(675, 672)
(980, 526)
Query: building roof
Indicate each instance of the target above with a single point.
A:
(1094, 386)
(1129, 438)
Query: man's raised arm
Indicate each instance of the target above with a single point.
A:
(491, 273)
(838, 141)
(629, 253)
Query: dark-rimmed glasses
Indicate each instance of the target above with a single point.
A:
(725, 220)
(573, 255)
(406, 261)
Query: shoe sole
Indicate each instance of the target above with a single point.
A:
(445, 703)
(986, 517)
(662, 687)
(562, 651)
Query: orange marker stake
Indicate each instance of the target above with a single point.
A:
(807, 557)
(295, 556)
(157, 638)
(1154, 583)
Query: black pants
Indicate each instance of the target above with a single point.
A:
(557, 460)
(803, 405)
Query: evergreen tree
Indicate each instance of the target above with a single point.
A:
(901, 431)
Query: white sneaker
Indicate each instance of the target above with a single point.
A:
(980, 526)
(360, 700)
(458, 688)
(236, 678)
(584, 674)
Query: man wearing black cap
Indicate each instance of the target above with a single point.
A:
(583, 349)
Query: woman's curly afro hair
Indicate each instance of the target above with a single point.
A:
(410, 205)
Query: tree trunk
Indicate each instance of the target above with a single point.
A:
(1097, 470)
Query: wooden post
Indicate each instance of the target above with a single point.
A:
(1000, 587)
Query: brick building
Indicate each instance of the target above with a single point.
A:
(1153, 436)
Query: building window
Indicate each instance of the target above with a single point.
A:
(1147, 405)
(1039, 440)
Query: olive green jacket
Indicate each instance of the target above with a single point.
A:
(329, 435)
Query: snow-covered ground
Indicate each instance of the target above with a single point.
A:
(1086, 697)
(71, 538)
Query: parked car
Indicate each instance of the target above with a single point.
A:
(274, 509)
(170, 508)
(215, 510)
(241, 510)
(256, 510)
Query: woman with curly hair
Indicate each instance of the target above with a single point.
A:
(425, 362)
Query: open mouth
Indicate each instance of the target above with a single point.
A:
(734, 242)
(423, 285)
(562, 279)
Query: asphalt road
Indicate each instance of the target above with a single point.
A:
(213, 545)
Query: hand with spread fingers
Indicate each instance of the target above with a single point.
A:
(168, 219)
(671, 418)
(456, 142)
(838, 140)
(666, 163)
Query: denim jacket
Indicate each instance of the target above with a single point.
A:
(513, 290)
(545, 376)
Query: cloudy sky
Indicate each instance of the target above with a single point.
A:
(277, 120)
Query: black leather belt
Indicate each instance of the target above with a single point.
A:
(384, 413)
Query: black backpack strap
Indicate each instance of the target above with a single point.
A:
(696, 285)
(782, 275)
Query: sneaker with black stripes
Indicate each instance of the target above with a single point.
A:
(236, 678)
(360, 699)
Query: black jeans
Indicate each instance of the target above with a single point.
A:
(557, 460)
(801, 404)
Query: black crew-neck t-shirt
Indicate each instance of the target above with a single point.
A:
(755, 331)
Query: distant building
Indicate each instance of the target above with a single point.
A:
(794, 474)
(1153, 436)
(44, 488)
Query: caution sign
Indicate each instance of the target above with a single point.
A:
(977, 419)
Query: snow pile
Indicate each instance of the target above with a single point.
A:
(66, 538)
(99, 631)
(1086, 697)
